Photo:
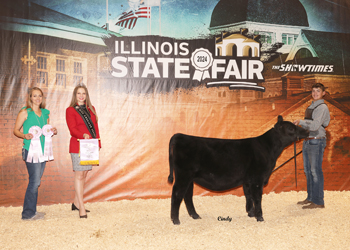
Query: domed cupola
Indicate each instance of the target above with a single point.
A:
(280, 12)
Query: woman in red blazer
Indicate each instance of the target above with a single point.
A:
(82, 123)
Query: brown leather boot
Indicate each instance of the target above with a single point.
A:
(312, 206)
(304, 202)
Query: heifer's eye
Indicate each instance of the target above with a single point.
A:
(289, 128)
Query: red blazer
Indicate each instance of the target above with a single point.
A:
(77, 128)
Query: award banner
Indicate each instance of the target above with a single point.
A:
(89, 152)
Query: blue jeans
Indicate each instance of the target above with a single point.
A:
(35, 171)
(313, 157)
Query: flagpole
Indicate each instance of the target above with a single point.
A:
(150, 20)
(107, 25)
(160, 20)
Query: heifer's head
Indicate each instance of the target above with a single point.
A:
(289, 132)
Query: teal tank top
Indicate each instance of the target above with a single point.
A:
(34, 120)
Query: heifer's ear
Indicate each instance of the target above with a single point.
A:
(280, 118)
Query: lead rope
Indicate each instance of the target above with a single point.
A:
(287, 161)
(295, 163)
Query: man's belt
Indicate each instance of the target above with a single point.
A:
(314, 138)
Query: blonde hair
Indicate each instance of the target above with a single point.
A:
(74, 100)
(29, 103)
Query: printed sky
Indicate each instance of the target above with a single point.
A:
(189, 18)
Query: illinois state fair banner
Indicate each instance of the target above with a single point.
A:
(218, 68)
(188, 63)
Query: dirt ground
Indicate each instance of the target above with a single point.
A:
(146, 224)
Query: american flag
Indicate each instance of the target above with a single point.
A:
(128, 19)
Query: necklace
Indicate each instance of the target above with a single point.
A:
(37, 118)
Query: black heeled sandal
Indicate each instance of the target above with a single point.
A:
(74, 207)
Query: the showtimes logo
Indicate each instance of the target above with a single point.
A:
(304, 68)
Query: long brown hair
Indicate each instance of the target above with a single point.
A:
(74, 100)
(29, 103)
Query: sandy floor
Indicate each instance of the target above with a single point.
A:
(146, 224)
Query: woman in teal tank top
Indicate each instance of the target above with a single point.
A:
(34, 114)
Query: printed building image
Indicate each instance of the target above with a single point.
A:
(286, 22)
(274, 21)
(315, 57)
(322, 57)
(277, 23)
(59, 51)
(237, 45)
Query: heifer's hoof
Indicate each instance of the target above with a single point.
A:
(260, 218)
(196, 216)
(176, 221)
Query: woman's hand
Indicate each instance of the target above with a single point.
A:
(86, 136)
(54, 130)
(28, 136)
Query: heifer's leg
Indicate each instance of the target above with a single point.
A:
(175, 206)
(257, 197)
(179, 190)
(249, 200)
(189, 202)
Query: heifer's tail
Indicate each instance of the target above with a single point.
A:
(171, 161)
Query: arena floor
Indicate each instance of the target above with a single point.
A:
(146, 224)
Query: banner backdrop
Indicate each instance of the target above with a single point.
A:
(222, 68)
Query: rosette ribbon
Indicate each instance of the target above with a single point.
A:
(35, 152)
(47, 132)
(202, 60)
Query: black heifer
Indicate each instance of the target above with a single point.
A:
(222, 164)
